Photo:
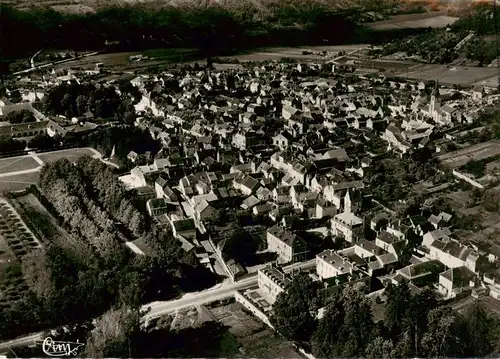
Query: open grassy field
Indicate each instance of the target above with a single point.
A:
(11, 177)
(162, 58)
(71, 154)
(18, 182)
(452, 75)
(120, 61)
(13, 164)
(414, 21)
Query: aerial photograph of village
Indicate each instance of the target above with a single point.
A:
(249, 178)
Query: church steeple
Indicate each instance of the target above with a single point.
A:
(435, 103)
(347, 203)
(435, 90)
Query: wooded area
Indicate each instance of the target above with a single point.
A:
(69, 287)
(212, 29)
(413, 326)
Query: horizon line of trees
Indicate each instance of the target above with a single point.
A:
(213, 29)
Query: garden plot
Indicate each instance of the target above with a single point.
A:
(14, 243)
(14, 231)
(41, 222)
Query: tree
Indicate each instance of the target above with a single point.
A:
(482, 330)
(111, 336)
(242, 247)
(22, 116)
(37, 273)
(446, 335)
(491, 198)
(325, 341)
(136, 223)
(396, 307)
(81, 104)
(357, 330)
(415, 320)
(9, 145)
(42, 141)
(380, 348)
(292, 310)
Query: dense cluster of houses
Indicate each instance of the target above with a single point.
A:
(281, 143)
(290, 145)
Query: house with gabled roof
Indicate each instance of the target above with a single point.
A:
(246, 184)
(330, 264)
(391, 243)
(420, 274)
(456, 280)
(288, 246)
(283, 140)
(448, 250)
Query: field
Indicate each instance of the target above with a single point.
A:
(453, 75)
(18, 182)
(255, 338)
(72, 154)
(17, 173)
(276, 53)
(14, 164)
(413, 21)
(477, 152)
(165, 57)
(120, 61)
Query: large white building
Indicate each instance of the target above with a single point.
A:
(272, 281)
(329, 264)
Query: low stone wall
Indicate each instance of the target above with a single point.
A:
(240, 298)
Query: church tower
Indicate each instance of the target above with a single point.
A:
(347, 203)
(435, 103)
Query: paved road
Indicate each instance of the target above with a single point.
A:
(54, 63)
(157, 309)
(23, 172)
(219, 292)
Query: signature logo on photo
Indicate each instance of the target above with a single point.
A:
(60, 349)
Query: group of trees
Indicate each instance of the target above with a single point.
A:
(8, 144)
(210, 28)
(392, 178)
(481, 20)
(90, 198)
(481, 50)
(434, 46)
(70, 286)
(437, 45)
(73, 100)
(414, 325)
(123, 140)
(43, 141)
(22, 116)
(476, 168)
